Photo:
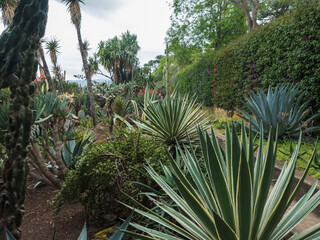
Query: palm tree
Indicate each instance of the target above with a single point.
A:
(116, 53)
(53, 49)
(130, 41)
(110, 56)
(75, 13)
(7, 7)
(119, 54)
(93, 65)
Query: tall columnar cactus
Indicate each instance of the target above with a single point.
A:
(18, 66)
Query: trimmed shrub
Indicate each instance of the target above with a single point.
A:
(284, 50)
(107, 170)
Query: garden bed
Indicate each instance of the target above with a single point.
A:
(39, 221)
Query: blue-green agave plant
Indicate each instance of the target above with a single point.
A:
(281, 107)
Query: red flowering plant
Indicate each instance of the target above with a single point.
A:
(72, 87)
(223, 90)
(146, 92)
(141, 103)
(37, 80)
(253, 78)
(41, 83)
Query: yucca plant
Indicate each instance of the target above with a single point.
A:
(280, 107)
(231, 197)
(174, 121)
(150, 97)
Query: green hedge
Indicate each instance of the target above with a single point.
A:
(284, 50)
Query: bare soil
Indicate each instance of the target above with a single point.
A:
(39, 221)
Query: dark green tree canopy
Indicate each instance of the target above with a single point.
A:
(196, 25)
(271, 9)
(119, 56)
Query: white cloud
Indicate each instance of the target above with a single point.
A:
(100, 8)
(103, 19)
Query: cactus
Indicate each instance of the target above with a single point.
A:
(81, 114)
(18, 66)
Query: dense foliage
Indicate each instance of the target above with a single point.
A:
(281, 51)
(271, 9)
(106, 169)
(118, 56)
(196, 25)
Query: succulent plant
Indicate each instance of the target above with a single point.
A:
(174, 122)
(18, 66)
(280, 108)
(81, 114)
(228, 194)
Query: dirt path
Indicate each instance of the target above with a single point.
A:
(39, 222)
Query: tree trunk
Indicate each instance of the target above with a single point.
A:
(37, 159)
(132, 72)
(248, 18)
(58, 146)
(87, 74)
(46, 69)
(219, 30)
(120, 75)
(115, 73)
(251, 19)
(254, 9)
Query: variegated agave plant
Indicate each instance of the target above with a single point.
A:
(228, 194)
(174, 122)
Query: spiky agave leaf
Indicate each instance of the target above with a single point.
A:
(174, 122)
(280, 107)
(229, 198)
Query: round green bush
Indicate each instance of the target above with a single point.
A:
(106, 171)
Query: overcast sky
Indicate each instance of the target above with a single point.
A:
(103, 19)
